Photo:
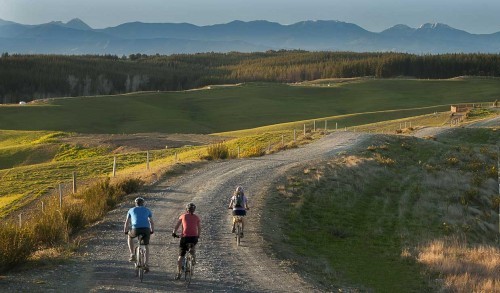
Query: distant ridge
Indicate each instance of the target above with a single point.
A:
(76, 37)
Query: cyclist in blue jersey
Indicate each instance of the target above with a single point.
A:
(139, 222)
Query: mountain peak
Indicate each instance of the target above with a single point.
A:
(436, 25)
(398, 30)
(77, 23)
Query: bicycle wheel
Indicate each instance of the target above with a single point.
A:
(136, 263)
(140, 261)
(188, 270)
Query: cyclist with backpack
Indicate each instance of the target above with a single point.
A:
(139, 222)
(191, 228)
(239, 204)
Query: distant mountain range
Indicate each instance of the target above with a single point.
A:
(76, 37)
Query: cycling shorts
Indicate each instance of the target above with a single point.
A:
(183, 246)
(239, 212)
(145, 232)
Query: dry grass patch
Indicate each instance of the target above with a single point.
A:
(462, 268)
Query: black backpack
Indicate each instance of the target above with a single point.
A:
(238, 203)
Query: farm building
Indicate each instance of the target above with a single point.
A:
(461, 108)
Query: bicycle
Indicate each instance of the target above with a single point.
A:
(188, 263)
(140, 258)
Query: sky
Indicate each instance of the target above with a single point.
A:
(474, 16)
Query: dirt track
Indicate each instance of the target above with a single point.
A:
(222, 267)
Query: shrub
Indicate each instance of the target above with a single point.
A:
(254, 152)
(50, 228)
(130, 185)
(74, 217)
(16, 245)
(217, 151)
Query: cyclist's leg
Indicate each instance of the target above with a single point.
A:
(132, 233)
(243, 214)
(182, 253)
(234, 222)
(130, 241)
(193, 250)
(145, 240)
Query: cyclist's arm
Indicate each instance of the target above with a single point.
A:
(231, 203)
(125, 226)
(179, 222)
(151, 224)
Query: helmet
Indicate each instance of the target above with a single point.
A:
(139, 201)
(239, 189)
(191, 207)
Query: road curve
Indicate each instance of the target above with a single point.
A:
(221, 266)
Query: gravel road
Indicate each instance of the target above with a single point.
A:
(102, 264)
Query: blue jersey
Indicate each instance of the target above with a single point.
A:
(139, 217)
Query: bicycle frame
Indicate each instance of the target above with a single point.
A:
(238, 222)
(188, 264)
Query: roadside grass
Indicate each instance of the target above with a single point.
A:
(467, 269)
(55, 225)
(366, 220)
(223, 109)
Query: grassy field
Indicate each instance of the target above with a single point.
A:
(375, 216)
(383, 217)
(222, 109)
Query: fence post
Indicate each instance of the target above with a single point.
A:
(336, 125)
(147, 160)
(20, 220)
(269, 147)
(176, 157)
(60, 195)
(294, 135)
(74, 182)
(43, 210)
(114, 166)
(314, 125)
(238, 151)
(498, 169)
(326, 122)
(304, 129)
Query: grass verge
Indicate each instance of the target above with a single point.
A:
(55, 225)
(366, 220)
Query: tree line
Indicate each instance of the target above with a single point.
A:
(31, 77)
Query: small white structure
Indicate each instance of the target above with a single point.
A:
(22, 103)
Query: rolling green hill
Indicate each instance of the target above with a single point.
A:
(247, 106)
